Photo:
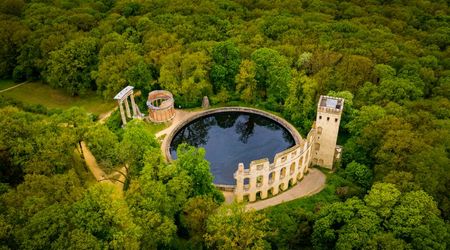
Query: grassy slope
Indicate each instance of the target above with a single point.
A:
(310, 203)
(156, 127)
(38, 93)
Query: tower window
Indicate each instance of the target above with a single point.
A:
(320, 117)
(328, 118)
(336, 119)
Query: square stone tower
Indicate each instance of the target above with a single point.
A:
(329, 111)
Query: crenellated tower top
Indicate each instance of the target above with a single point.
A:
(330, 104)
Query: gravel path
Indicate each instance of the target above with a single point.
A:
(104, 116)
(180, 116)
(91, 162)
(311, 184)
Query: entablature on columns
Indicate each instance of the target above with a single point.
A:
(122, 98)
(124, 93)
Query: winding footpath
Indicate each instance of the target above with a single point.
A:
(104, 116)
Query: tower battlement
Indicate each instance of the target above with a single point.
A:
(330, 104)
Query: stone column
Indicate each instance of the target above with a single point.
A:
(252, 195)
(122, 114)
(286, 183)
(127, 107)
(264, 193)
(265, 184)
(307, 163)
(294, 175)
(253, 189)
(276, 182)
(133, 105)
(238, 191)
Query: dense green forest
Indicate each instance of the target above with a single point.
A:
(390, 60)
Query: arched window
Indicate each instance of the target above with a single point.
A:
(282, 173)
(271, 177)
(246, 183)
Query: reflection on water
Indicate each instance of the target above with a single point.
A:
(233, 137)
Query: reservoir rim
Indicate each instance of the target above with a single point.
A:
(285, 124)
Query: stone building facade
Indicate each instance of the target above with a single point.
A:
(263, 178)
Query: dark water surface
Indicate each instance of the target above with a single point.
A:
(233, 137)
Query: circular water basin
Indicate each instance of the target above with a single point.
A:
(231, 137)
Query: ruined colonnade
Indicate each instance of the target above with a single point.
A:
(122, 98)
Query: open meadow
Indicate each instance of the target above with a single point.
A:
(39, 93)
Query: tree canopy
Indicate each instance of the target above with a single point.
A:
(390, 60)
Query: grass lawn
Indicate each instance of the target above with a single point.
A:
(4, 84)
(156, 127)
(38, 93)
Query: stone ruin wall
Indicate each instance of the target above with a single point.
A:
(263, 178)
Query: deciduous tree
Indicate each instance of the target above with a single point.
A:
(232, 227)
(272, 74)
(226, 60)
(245, 81)
(359, 173)
(193, 161)
(70, 67)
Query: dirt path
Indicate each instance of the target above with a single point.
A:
(13, 87)
(102, 117)
(116, 178)
(311, 184)
(98, 173)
